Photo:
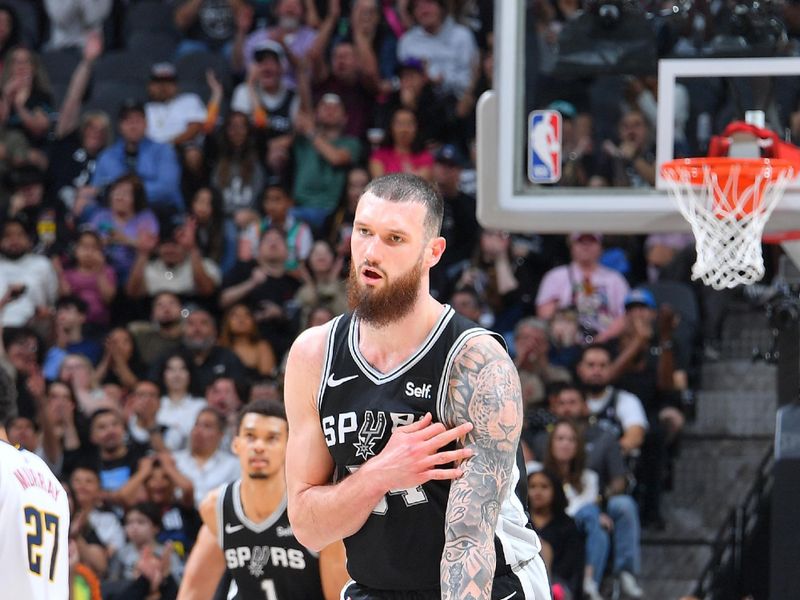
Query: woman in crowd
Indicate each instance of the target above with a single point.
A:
(179, 409)
(548, 505)
(238, 174)
(120, 364)
(240, 334)
(89, 278)
(215, 235)
(64, 427)
(124, 223)
(403, 153)
(323, 285)
(25, 100)
(566, 456)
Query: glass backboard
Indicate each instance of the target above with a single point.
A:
(591, 80)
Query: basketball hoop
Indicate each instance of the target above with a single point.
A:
(727, 201)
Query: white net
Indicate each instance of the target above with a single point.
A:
(727, 203)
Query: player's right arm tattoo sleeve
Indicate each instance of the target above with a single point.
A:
(484, 389)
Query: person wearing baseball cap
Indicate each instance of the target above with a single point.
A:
(265, 97)
(640, 297)
(596, 292)
(459, 227)
(172, 118)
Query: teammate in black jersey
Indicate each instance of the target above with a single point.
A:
(405, 423)
(246, 530)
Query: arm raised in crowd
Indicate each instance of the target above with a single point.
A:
(70, 110)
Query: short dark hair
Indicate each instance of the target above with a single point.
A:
(266, 408)
(104, 411)
(149, 510)
(404, 187)
(571, 387)
(8, 397)
(86, 465)
(12, 420)
(73, 300)
(241, 385)
(470, 291)
(595, 346)
(218, 416)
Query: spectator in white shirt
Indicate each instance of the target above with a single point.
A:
(180, 267)
(179, 409)
(447, 48)
(204, 462)
(33, 276)
(172, 118)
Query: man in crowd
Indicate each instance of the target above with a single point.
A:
(115, 459)
(266, 287)
(180, 267)
(532, 346)
(322, 152)
(156, 164)
(30, 279)
(172, 118)
(616, 410)
(459, 226)
(448, 49)
(206, 463)
(163, 332)
(596, 292)
(205, 359)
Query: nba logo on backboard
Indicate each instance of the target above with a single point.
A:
(544, 146)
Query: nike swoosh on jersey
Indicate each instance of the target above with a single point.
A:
(511, 595)
(232, 528)
(333, 382)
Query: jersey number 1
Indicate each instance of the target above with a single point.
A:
(41, 523)
(269, 589)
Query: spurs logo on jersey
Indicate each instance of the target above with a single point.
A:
(371, 429)
(338, 428)
(255, 558)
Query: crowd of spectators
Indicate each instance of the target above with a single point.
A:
(160, 253)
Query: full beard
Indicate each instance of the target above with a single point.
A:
(381, 307)
(595, 388)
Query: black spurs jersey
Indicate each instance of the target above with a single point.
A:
(400, 545)
(264, 559)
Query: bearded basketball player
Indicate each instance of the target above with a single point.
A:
(404, 425)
